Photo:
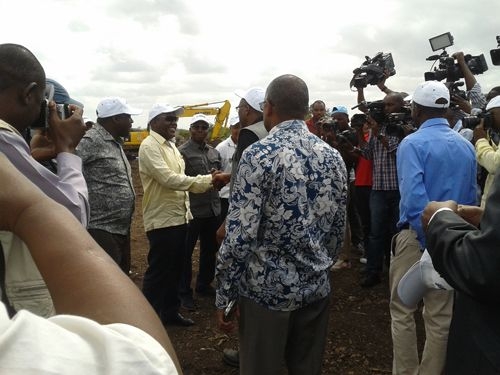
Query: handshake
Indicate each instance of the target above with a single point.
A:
(219, 178)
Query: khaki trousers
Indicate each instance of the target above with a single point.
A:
(436, 314)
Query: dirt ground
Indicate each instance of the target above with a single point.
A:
(359, 339)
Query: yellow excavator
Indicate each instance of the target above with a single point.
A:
(221, 113)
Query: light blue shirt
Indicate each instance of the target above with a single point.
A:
(434, 164)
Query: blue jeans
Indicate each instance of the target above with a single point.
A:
(384, 214)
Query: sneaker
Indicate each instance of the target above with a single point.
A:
(231, 357)
(341, 263)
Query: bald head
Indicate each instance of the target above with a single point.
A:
(289, 96)
(393, 102)
(18, 66)
(22, 85)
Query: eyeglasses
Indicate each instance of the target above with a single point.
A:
(263, 104)
(241, 106)
(198, 127)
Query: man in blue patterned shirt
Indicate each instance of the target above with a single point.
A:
(284, 229)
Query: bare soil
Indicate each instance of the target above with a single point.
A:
(359, 338)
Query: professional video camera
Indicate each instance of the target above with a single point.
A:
(393, 122)
(447, 67)
(373, 70)
(471, 122)
(454, 88)
(495, 53)
(375, 110)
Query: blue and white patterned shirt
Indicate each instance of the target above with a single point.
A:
(286, 221)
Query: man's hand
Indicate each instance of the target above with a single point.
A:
(221, 233)
(478, 132)
(42, 147)
(65, 134)
(228, 326)
(220, 179)
(471, 214)
(459, 56)
(462, 103)
(432, 207)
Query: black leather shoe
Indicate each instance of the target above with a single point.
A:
(371, 279)
(231, 357)
(177, 320)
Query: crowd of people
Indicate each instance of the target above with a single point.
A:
(296, 193)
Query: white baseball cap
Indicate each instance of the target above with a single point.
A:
(433, 94)
(158, 109)
(199, 117)
(493, 103)
(234, 120)
(115, 106)
(418, 280)
(253, 97)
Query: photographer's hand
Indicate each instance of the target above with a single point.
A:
(42, 147)
(462, 103)
(478, 132)
(469, 78)
(66, 134)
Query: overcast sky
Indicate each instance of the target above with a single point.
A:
(190, 52)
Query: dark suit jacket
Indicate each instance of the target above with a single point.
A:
(469, 259)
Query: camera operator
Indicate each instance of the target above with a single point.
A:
(21, 102)
(486, 138)
(384, 198)
(318, 110)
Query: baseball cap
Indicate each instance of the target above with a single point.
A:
(199, 117)
(234, 120)
(340, 109)
(433, 94)
(253, 97)
(418, 280)
(158, 109)
(108, 107)
(61, 95)
(493, 103)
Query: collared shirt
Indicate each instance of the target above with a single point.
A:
(488, 156)
(476, 97)
(434, 164)
(201, 159)
(166, 202)
(286, 221)
(226, 150)
(109, 180)
(24, 285)
(384, 161)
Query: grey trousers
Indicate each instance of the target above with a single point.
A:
(271, 340)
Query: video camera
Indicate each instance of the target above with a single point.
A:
(373, 70)
(393, 121)
(447, 68)
(470, 122)
(495, 53)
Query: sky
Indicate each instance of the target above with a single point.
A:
(191, 52)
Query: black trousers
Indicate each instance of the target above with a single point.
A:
(116, 245)
(204, 229)
(165, 259)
